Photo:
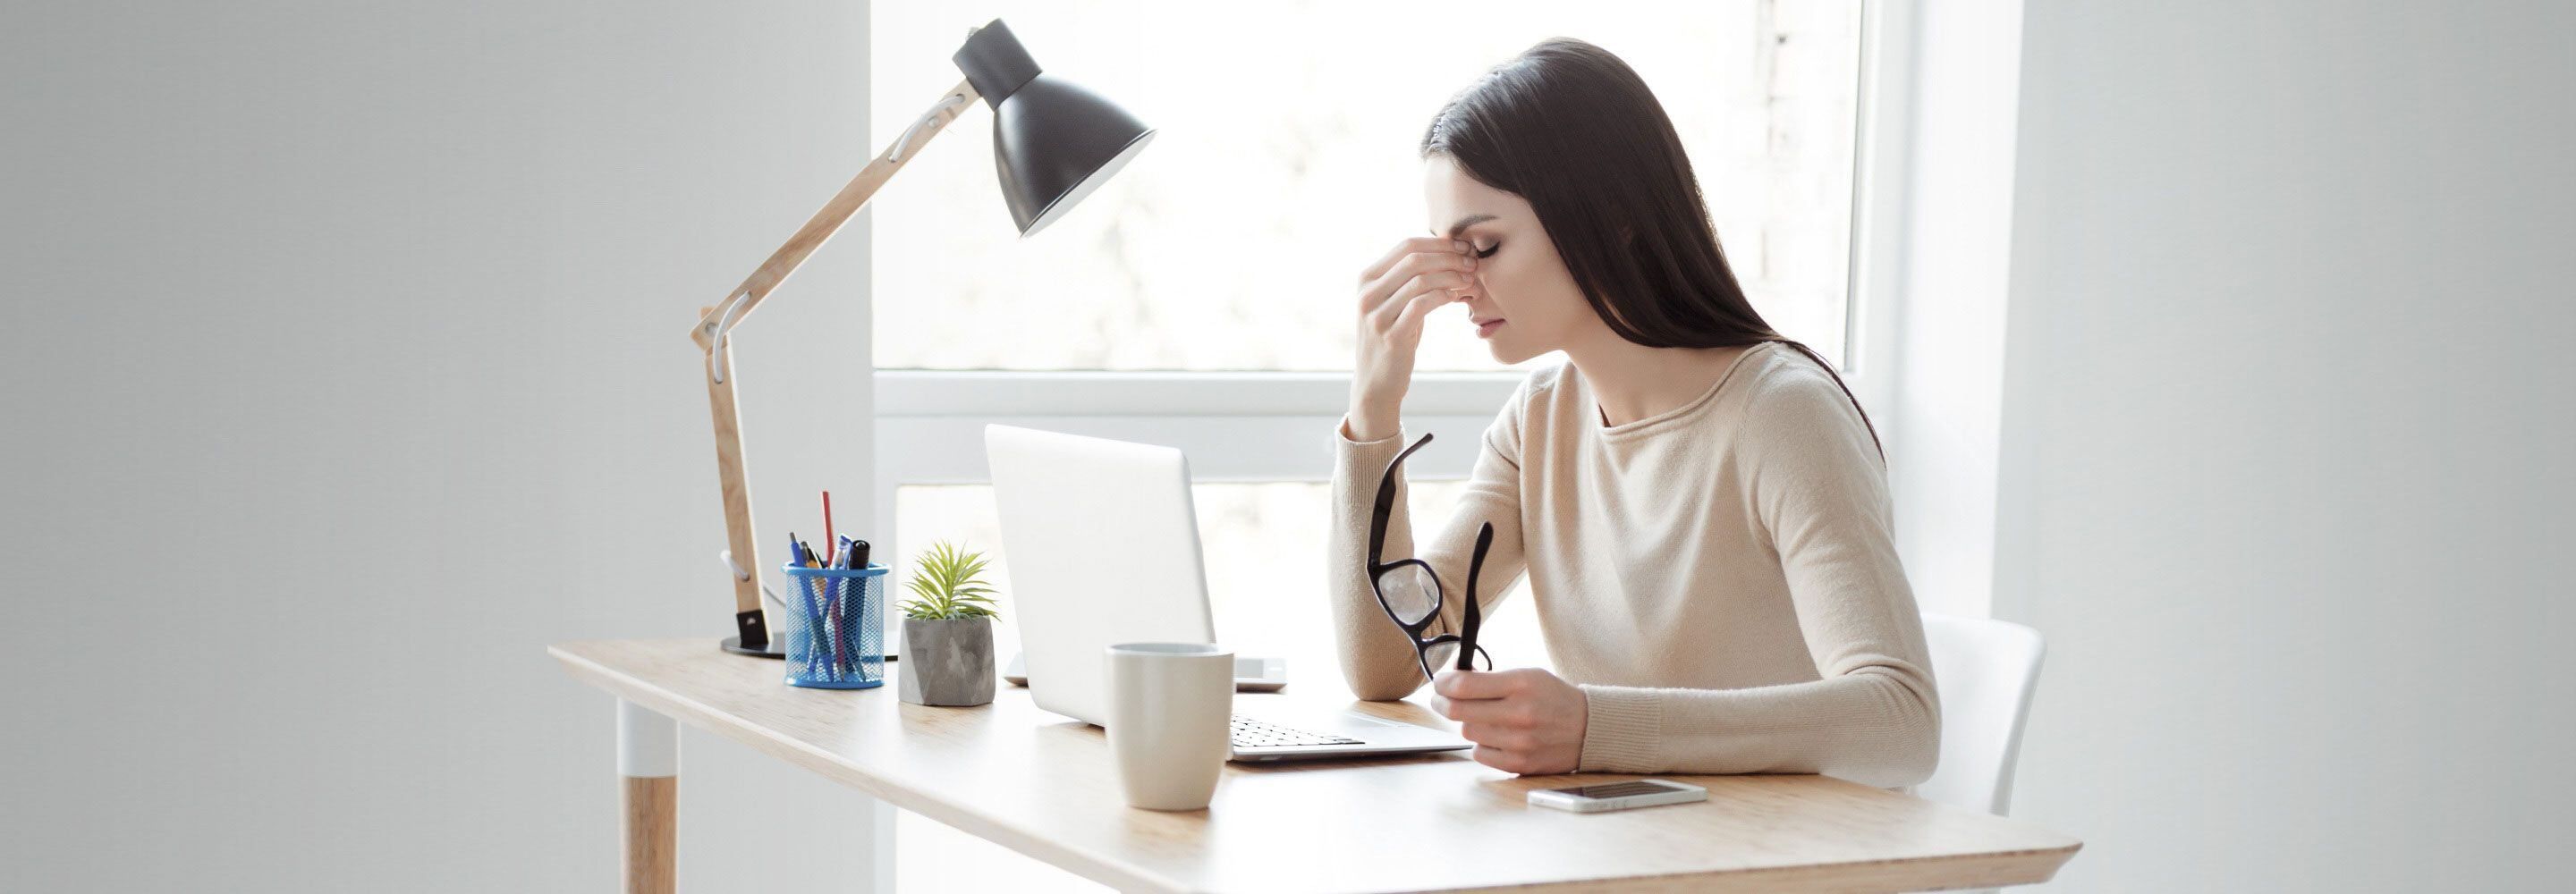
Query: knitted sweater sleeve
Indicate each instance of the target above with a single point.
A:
(1377, 659)
(1818, 487)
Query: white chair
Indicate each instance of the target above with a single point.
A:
(1985, 670)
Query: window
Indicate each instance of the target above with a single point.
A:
(1285, 163)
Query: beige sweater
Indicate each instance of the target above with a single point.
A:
(1719, 579)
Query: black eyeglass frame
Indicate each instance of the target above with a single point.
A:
(1377, 568)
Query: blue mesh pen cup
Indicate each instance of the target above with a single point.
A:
(835, 626)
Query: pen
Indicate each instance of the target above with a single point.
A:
(858, 550)
(812, 616)
(826, 590)
(845, 611)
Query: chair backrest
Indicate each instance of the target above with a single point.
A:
(1985, 670)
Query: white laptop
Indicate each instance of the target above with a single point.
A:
(1103, 548)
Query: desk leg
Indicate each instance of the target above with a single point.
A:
(648, 757)
(876, 835)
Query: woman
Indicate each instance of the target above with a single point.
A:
(1699, 502)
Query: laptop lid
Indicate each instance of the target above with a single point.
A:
(1102, 545)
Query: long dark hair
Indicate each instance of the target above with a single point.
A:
(1574, 131)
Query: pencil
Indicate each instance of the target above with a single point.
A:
(831, 547)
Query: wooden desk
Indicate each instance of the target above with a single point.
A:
(1044, 785)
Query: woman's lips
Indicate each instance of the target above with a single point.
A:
(1485, 328)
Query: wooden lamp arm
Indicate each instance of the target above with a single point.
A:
(833, 214)
(715, 324)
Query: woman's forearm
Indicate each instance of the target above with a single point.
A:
(1372, 420)
(1877, 726)
(1377, 660)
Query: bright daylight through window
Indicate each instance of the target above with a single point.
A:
(1285, 163)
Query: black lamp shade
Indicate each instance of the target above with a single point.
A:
(1053, 141)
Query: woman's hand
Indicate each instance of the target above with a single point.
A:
(1421, 274)
(1523, 720)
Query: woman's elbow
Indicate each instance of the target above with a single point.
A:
(1918, 746)
(1382, 693)
(1917, 763)
(1374, 684)
(1908, 749)
(1897, 763)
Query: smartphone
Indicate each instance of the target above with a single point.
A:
(1618, 795)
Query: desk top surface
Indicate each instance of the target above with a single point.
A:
(1045, 785)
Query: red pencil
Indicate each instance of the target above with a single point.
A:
(831, 545)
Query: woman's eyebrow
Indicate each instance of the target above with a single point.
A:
(1467, 221)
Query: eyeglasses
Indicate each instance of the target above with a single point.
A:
(1410, 592)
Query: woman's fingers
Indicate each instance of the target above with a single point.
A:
(1499, 738)
(1471, 710)
(1435, 287)
(1391, 285)
(1415, 245)
(1408, 324)
(1506, 761)
(1388, 283)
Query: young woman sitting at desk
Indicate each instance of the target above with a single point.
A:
(1699, 502)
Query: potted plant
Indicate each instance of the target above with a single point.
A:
(948, 630)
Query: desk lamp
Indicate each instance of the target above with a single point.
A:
(1053, 143)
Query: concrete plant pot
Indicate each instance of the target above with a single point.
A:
(948, 662)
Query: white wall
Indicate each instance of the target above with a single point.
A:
(2284, 468)
(348, 368)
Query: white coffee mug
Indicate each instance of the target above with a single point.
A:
(1171, 709)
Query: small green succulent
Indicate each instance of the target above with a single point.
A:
(947, 586)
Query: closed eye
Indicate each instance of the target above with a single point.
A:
(1489, 252)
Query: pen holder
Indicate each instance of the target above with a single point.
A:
(835, 627)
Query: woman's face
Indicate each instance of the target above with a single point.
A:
(1522, 300)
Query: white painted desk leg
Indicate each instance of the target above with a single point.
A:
(876, 832)
(648, 758)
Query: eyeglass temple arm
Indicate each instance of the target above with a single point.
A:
(1386, 504)
(1377, 519)
(1475, 617)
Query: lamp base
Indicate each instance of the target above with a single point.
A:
(777, 651)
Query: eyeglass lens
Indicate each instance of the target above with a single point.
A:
(1409, 592)
(1441, 656)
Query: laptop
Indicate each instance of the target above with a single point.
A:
(1252, 673)
(1103, 547)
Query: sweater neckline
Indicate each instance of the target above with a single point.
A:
(1600, 421)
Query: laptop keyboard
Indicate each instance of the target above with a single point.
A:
(1250, 733)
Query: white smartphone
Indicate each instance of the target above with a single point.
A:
(1618, 795)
